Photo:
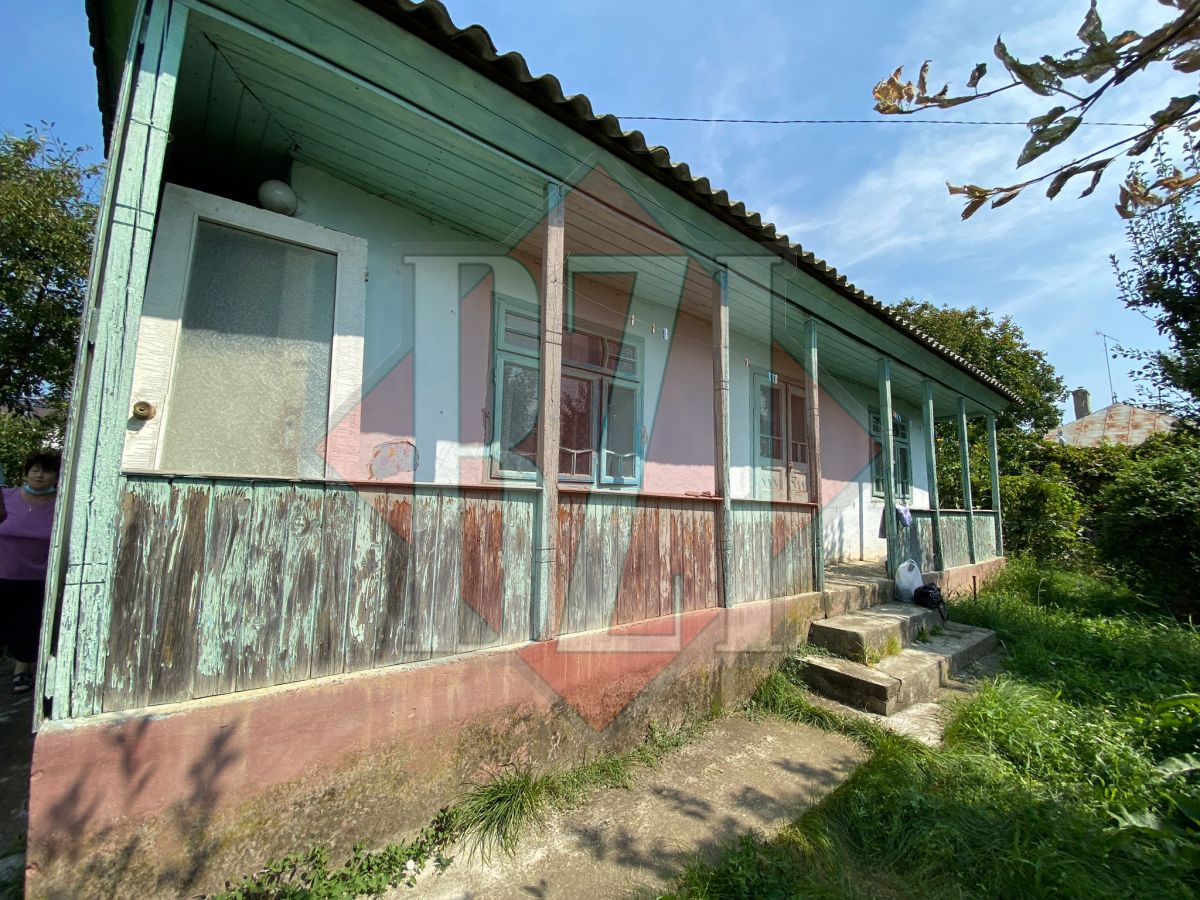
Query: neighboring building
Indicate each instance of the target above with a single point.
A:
(1119, 423)
(494, 437)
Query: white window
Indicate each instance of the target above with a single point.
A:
(250, 344)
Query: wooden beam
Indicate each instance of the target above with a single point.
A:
(994, 461)
(930, 427)
(964, 456)
(814, 468)
(720, 340)
(889, 464)
(545, 556)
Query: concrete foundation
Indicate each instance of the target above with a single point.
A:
(175, 800)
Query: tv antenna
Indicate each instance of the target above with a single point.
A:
(1108, 361)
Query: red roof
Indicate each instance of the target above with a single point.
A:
(1117, 424)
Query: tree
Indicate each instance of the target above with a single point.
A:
(1068, 78)
(999, 348)
(46, 224)
(1163, 283)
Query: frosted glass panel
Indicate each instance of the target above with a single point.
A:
(250, 393)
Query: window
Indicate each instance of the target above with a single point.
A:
(249, 345)
(782, 427)
(600, 440)
(902, 473)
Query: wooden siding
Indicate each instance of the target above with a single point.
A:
(985, 534)
(625, 558)
(772, 552)
(225, 586)
(955, 547)
(917, 541)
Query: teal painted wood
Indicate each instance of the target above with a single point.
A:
(814, 405)
(772, 550)
(928, 429)
(964, 458)
(956, 546)
(994, 466)
(985, 535)
(134, 201)
(919, 542)
(226, 585)
(222, 586)
(888, 462)
(721, 420)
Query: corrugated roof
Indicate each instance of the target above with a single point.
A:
(430, 21)
(1116, 424)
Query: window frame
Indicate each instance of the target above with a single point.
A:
(900, 441)
(601, 378)
(161, 320)
(763, 378)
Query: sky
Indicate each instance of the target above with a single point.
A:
(869, 199)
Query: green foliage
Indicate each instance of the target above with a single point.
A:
(998, 347)
(23, 435)
(46, 224)
(1041, 515)
(1163, 283)
(1150, 528)
(1069, 776)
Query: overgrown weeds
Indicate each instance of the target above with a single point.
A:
(489, 817)
(1075, 774)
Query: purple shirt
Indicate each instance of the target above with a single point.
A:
(24, 537)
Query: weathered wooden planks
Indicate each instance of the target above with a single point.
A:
(772, 552)
(628, 558)
(955, 543)
(919, 541)
(228, 585)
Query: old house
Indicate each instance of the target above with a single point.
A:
(428, 421)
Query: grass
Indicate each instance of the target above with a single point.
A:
(1074, 774)
(488, 817)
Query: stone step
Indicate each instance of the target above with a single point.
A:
(911, 676)
(866, 634)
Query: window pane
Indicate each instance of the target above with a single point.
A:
(583, 348)
(798, 429)
(770, 422)
(521, 332)
(518, 418)
(577, 442)
(250, 393)
(620, 457)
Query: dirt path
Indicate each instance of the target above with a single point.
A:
(741, 776)
(16, 722)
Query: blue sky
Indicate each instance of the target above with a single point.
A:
(870, 199)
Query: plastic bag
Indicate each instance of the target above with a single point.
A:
(908, 579)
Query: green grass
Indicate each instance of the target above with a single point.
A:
(1074, 774)
(488, 817)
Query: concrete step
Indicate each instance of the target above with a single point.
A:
(866, 634)
(911, 676)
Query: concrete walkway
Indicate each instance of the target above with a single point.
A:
(741, 776)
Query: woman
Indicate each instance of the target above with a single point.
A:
(24, 548)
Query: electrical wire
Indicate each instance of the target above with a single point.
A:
(904, 121)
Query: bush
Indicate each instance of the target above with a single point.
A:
(1041, 515)
(1148, 526)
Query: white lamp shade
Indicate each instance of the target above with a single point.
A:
(278, 197)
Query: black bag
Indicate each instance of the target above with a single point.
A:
(930, 596)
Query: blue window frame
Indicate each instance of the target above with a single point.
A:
(601, 409)
(902, 457)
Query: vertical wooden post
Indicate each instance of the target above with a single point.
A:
(720, 338)
(814, 463)
(935, 506)
(545, 556)
(994, 461)
(87, 516)
(964, 456)
(888, 462)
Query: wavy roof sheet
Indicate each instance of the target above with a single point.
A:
(473, 46)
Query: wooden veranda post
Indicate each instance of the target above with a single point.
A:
(888, 462)
(964, 455)
(545, 552)
(720, 321)
(814, 405)
(994, 462)
(935, 506)
(96, 431)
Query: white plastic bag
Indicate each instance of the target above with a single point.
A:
(908, 579)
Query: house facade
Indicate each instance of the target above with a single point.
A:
(428, 422)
